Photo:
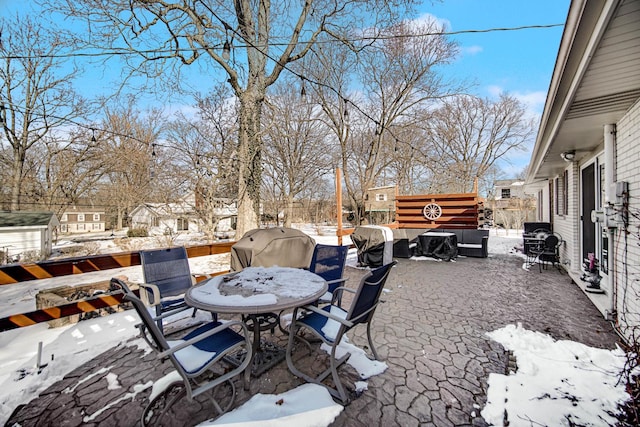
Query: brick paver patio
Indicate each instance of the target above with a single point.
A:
(430, 331)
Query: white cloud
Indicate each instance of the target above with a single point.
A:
(472, 50)
(495, 91)
(533, 101)
(427, 18)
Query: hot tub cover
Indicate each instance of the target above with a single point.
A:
(266, 247)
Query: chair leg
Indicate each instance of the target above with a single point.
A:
(230, 396)
(159, 321)
(337, 392)
(159, 406)
(334, 373)
(371, 346)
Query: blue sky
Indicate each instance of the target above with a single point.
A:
(517, 62)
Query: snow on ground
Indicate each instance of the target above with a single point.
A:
(557, 383)
(547, 389)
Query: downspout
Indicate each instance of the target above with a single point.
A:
(610, 198)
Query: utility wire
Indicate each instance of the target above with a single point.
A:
(130, 52)
(285, 66)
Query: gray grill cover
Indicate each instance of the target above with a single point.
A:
(284, 247)
(375, 245)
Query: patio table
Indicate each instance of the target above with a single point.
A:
(255, 292)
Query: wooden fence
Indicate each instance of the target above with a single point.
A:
(462, 210)
(14, 274)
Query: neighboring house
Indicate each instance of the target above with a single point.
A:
(174, 217)
(510, 206)
(380, 204)
(25, 234)
(82, 220)
(182, 216)
(585, 164)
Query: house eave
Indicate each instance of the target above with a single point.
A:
(587, 88)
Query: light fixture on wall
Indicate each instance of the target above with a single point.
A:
(568, 156)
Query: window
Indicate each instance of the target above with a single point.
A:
(557, 187)
(81, 227)
(96, 226)
(506, 193)
(565, 193)
(182, 224)
(381, 197)
(561, 188)
(96, 217)
(64, 218)
(80, 218)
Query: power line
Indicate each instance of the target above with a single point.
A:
(285, 66)
(171, 52)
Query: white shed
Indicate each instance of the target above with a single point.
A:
(26, 232)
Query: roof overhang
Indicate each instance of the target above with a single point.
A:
(595, 81)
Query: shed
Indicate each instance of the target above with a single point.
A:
(23, 233)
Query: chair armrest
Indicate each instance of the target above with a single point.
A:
(172, 311)
(329, 315)
(194, 278)
(210, 332)
(337, 294)
(344, 288)
(342, 280)
(145, 289)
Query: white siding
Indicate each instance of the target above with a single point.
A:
(628, 253)
(18, 241)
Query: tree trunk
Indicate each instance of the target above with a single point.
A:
(250, 153)
(16, 179)
(288, 211)
(119, 219)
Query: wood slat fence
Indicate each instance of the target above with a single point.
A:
(16, 273)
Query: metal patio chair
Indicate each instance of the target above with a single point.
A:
(328, 262)
(167, 277)
(547, 252)
(331, 322)
(195, 357)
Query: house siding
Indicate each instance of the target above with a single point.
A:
(627, 247)
(568, 226)
(80, 221)
(15, 243)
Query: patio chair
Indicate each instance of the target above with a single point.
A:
(328, 262)
(331, 322)
(167, 277)
(547, 252)
(195, 357)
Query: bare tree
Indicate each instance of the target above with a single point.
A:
(398, 78)
(204, 146)
(333, 66)
(67, 170)
(251, 42)
(297, 153)
(133, 159)
(36, 96)
(470, 134)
